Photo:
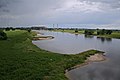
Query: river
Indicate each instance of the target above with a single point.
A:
(66, 43)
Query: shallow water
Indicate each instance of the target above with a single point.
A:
(66, 43)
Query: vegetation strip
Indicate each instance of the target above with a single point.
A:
(94, 32)
(21, 60)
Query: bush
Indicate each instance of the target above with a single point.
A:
(89, 32)
(13, 29)
(7, 29)
(76, 31)
(3, 35)
(29, 30)
(103, 32)
(109, 32)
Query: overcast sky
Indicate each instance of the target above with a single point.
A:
(36, 12)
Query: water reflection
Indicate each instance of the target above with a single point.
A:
(76, 36)
(103, 39)
(89, 36)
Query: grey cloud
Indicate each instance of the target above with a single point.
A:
(2, 5)
(30, 12)
(5, 4)
(113, 3)
(5, 10)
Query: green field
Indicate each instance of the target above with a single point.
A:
(21, 60)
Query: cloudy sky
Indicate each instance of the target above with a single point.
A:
(82, 12)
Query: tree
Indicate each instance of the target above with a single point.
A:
(76, 30)
(109, 32)
(103, 32)
(7, 29)
(13, 29)
(29, 30)
(89, 32)
(3, 35)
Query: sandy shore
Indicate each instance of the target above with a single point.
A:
(93, 58)
(40, 36)
(43, 38)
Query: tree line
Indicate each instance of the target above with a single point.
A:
(103, 32)
(98, 32)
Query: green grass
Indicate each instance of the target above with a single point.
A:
(21, 60)
(113, 35)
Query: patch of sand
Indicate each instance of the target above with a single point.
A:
(96, 58)
(93, 58)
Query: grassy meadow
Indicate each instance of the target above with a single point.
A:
(21, 60)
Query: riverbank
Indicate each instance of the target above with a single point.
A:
(113, 35)
(93, 58)
(40, 36)
(20, 59)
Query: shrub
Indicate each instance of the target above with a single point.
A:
(103, 32)
(29, 30)
(89, 32)
(76, 31)
(12, 28)
(3, 35)
(7, 29)
(109, 32)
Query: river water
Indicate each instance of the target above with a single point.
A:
(66, 43)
